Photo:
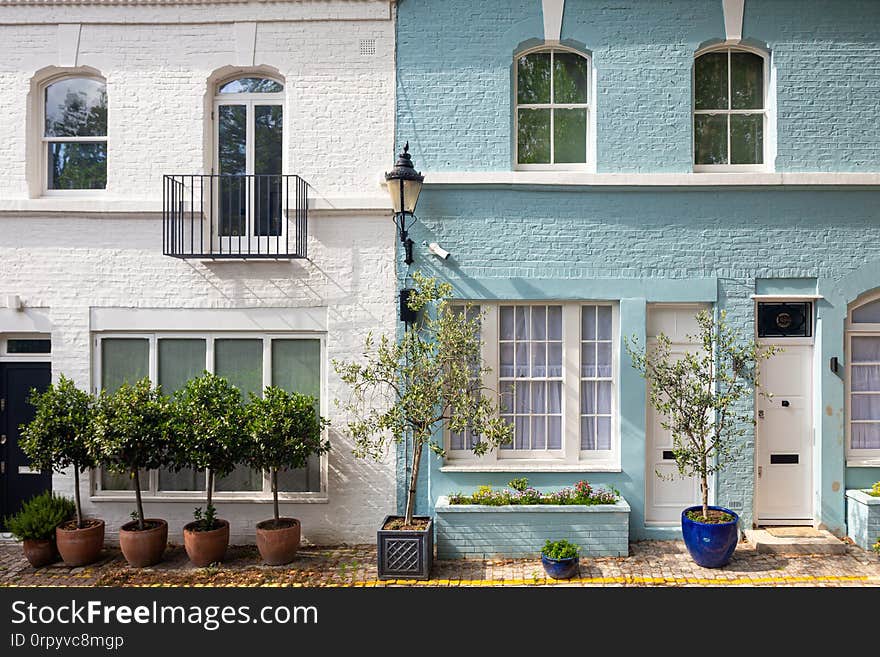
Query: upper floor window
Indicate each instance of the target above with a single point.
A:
(75, 134)
(863, 382)
(729, 110)
(552, 108)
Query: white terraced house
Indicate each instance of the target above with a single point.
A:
(189, 187)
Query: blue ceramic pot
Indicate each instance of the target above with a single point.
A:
(710, 545)
(560, 568)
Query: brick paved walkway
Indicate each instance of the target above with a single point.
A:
(651, 563)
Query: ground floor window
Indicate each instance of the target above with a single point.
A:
(251, 362)
(554, 367)
(863, 381)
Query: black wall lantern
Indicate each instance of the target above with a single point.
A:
(404, 186)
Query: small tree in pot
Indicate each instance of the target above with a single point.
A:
(132, 434)
(35, 525)
(210, 435)
(284, 429)
(60, 437)
(432, 375)
(703, 398)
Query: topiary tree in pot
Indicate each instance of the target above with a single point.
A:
(284, 430)
(407, 388)
(132, 427)
(703, 398)
(59, 437)
(209, 425)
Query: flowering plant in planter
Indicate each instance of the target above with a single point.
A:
(875, 490)
(561, 549)
(582, 493)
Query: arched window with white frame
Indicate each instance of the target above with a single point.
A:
(863, 381)
(74, 133)
(552, 116)
(730, 110)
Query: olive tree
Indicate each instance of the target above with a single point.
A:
(403, 389)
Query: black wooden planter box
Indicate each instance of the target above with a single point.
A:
(405, 554)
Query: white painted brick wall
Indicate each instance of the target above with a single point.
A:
(339, 111)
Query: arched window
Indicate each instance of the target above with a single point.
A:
(863, 380)
(249, 118)
(75, 134)
(729, 110)
(552, 108)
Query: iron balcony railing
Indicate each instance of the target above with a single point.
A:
(234, 216)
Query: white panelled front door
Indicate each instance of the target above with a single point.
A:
(784, 438)
(665, 498)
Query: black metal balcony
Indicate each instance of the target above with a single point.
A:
(234, 216)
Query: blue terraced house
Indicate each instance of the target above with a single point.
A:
(599, 170)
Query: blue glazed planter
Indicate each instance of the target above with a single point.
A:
(710, 545)
(560, 568)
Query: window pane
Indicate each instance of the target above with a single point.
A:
(865, 436)
(232, 155)
(267, 164)
(603, 359)
(554, 432)
(588, 359)
(240, 361)
(123, 360)
(28, 346)
(306, 479)
(124, 481)
(604, 313)
(506, 368)
(296, 366)
(746, 80)
(76, 107)
(184, 480)
(539, 359)
(865, 378)
(251, 86)
(588, 432)
(569, 78)
(179, 361)
(588, 397)
(710, 81)
(539, 323)
(570, 135)
(710, 139)
(534, 136)
(867, 314)
(242, 478)
(603, 403)
(588, 323)
(865, 407)
(866, 349)
(507, 322)
(522, 322)
(77, 165)
(554, 322)
(746, 139)
(533, 81)
(603, 433)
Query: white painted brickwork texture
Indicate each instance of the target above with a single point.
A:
(338, 128)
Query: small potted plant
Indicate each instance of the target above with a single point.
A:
(210, 435)
(35, 525)
(131, 435)
(560, 558)
(60, 437)
(284, 429)
(700, 396)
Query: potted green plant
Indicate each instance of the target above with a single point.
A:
(702, 397)
(433, 374)
(131, 435)
(560, 558)
(210, 435)
(284, 429)
(35, 524)
(60, 437)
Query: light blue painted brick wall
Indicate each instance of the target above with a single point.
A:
(455, 64)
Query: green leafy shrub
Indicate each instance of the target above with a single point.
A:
(519, 484)
(561, 549)
(39, 517)
(875, 490)
(60, 435)
(284, 429)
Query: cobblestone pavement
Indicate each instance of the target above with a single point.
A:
(651, 563)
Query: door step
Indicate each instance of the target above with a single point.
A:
(791, 540)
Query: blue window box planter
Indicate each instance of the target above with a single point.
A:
(862, 518)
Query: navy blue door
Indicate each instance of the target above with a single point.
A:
(17, 483)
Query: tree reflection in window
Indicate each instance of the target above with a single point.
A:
(75, 134)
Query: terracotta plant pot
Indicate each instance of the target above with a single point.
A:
(204, 548)
(146, 547)
(40, 552)
(79, 547)
(278, 545)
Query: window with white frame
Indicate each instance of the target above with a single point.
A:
(863, 382)
(74, 134)
(730, 117)
(552, 108)
(554, 367)
(250, 362)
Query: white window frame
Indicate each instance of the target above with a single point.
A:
(7, 357)
(723, 168)
(857, 457)
(153, 493)
(588, 106)
(571, 458)
(45, 141)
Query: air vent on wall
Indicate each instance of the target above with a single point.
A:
(368, 46)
